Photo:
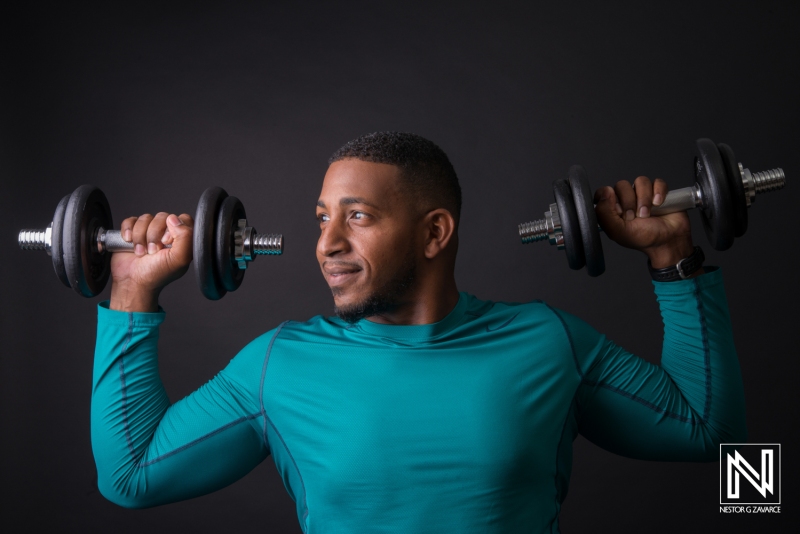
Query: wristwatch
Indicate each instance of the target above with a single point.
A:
(681, 270)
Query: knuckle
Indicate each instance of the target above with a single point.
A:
(141, 224)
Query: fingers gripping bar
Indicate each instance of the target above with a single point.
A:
(112, 241)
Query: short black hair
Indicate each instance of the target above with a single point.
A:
(427, 171)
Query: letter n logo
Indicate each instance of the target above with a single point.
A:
(749, 473)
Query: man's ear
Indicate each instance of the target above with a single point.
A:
(440, 229)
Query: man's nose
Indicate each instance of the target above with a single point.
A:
(332, 240)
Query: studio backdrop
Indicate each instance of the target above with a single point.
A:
(155, 103)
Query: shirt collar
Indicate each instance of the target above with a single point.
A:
(418, 331)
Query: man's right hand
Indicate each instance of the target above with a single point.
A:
(138, 278)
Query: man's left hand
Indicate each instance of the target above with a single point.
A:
(624, 214)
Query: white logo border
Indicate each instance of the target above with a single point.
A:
(780, 487)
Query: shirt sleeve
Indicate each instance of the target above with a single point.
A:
(680, 410)
(149, 452)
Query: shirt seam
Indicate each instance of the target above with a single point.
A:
(614, 389)
(706, 350)
(554, 521)
(269, 421)
(198, 440)
(124, 386)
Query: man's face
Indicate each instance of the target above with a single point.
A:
(367, 247)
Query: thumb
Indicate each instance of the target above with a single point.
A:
(608, 215)
(180, 228)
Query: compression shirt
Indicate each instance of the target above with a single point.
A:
(465, 425)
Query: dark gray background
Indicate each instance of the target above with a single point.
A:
(154, 104)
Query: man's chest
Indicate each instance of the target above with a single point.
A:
(384, 420)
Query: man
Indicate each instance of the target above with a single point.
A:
(417, 408)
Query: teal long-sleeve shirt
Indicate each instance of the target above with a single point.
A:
(465, 425)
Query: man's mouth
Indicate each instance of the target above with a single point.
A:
(340, 274)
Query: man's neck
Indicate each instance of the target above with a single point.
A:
(425, 305)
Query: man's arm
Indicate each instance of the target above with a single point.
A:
(148, 452)
(680, 410)
(684, 408)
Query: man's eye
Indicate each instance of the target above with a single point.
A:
(323, 217)
(359, 215)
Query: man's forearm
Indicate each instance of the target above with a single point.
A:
(128, 400)
(133, 298)
(710, 377)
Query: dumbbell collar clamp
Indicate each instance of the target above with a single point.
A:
(248, 243)
(243, 244)
(548, 228)
(553, 223)
(749, 185)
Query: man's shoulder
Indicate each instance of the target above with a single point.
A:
(505, 313)
(480, 307)
(318, 326)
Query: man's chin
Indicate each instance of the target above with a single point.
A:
(351, 305)
(353, 310)
(347, 296)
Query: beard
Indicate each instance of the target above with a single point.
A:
(384, 299)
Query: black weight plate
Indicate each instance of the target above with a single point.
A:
(229, 214)
(205, 228)
(56, 250)
(717, 204)
(573, 244)
(87, 268)
(587, 220)
(736, 186)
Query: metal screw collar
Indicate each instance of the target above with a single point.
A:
(247, 244)
(547, 228)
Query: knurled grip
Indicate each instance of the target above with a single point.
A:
(111, 241)
(677, 200)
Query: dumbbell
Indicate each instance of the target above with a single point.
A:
(723, 191)
(80, 241)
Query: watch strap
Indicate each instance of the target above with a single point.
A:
(681, 270)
